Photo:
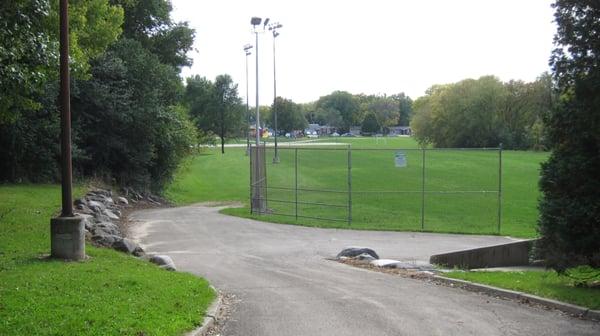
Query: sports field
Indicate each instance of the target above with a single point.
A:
(460, 186)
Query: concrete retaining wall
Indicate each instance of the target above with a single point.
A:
(510, 254)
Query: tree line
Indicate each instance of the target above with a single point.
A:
(129, 121)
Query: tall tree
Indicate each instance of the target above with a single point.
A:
(404, 108)
(229, 108)
(289, 115)
(345, 104)
(569, 223)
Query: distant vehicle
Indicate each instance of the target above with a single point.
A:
(312, 135)
(287, 135)
(348, 135)
(335, 134)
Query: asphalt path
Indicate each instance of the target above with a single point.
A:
(286, 285)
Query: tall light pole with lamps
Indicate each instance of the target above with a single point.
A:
(247, 48)
(255, 21)
(273, 28)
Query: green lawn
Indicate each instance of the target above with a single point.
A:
(541, 283)
(109, 294)
(376, 203)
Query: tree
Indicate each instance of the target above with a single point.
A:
(126, 118)
(289, 115)
(569, 223)
(404, 108)
(370, 125)
(215, 107)
(345, 104)
(149, 22)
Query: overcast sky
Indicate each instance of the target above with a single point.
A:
(369, 46)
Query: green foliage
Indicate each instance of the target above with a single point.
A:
(131, 96)
(215, 107)
(405, 110)
(24, 55)
(370, 124)
(93, 26)
(149, 22)
(569, 222)
(111, 293)
(289, 115)
(345, 104)
(584, 276)
(484, 113)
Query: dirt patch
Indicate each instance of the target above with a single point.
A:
(407, 273)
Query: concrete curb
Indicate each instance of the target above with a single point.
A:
(210, 317)
(568, 308)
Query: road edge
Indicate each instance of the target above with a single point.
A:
(210, 316)
(581, 312)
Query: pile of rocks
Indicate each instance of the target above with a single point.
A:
(368, 256)
(101, 211)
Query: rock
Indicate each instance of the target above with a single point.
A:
(365, 257)
(100, 217)
(387, 263)
(107, 227)
(356, 251)
(80, 201)
(88, 221)
(122, 200)
(84, 209)
(125, 245)
(96, 206)
(105, 239)
(164, 262)
(110, 214)
(139, 251)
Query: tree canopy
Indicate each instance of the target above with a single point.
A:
(569, 223)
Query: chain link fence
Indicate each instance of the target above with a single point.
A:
(448, 190)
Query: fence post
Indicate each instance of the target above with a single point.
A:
(423, 189)
(251, 182)
(499, 188)
(349, 186)
(296, 180)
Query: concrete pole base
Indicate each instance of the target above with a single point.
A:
(67, 238)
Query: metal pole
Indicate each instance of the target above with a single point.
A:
(66, 169)
(499, 188)
(296, 179)
(276, 156)
(251, 181)
(257, 106)
(349, 186)
(423, 190)
(247, 110)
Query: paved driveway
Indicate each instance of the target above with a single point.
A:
(286, 287)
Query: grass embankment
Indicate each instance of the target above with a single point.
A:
(546, 284)
(109, 294)
(376, 205)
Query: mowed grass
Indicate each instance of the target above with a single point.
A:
(109, 294)
(461, 187)
(547, 284)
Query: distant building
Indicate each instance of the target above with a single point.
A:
(316, 129)
(355, 130)
(400, 130)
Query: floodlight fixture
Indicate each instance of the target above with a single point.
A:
(266, 22)
(248, 47)
(255, 21)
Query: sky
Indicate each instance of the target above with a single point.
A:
(368, 46)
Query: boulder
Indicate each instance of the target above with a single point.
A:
(104, 239)
(365, 257)
(110, 214)
(96, 206)
(88, 221)
(122, 200)
(80, 201)
(387, 263)
(163, 261)
(107, 227)
(351, 252)
(100, 217)
(139, 251)
(125, 245)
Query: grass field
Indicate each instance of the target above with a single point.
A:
(384, 197)
(109, 294)
(541, 283)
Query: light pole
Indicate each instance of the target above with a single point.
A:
(273, 28)
(247, 48)
(255, 21)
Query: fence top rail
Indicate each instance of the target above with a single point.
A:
(326, 148)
